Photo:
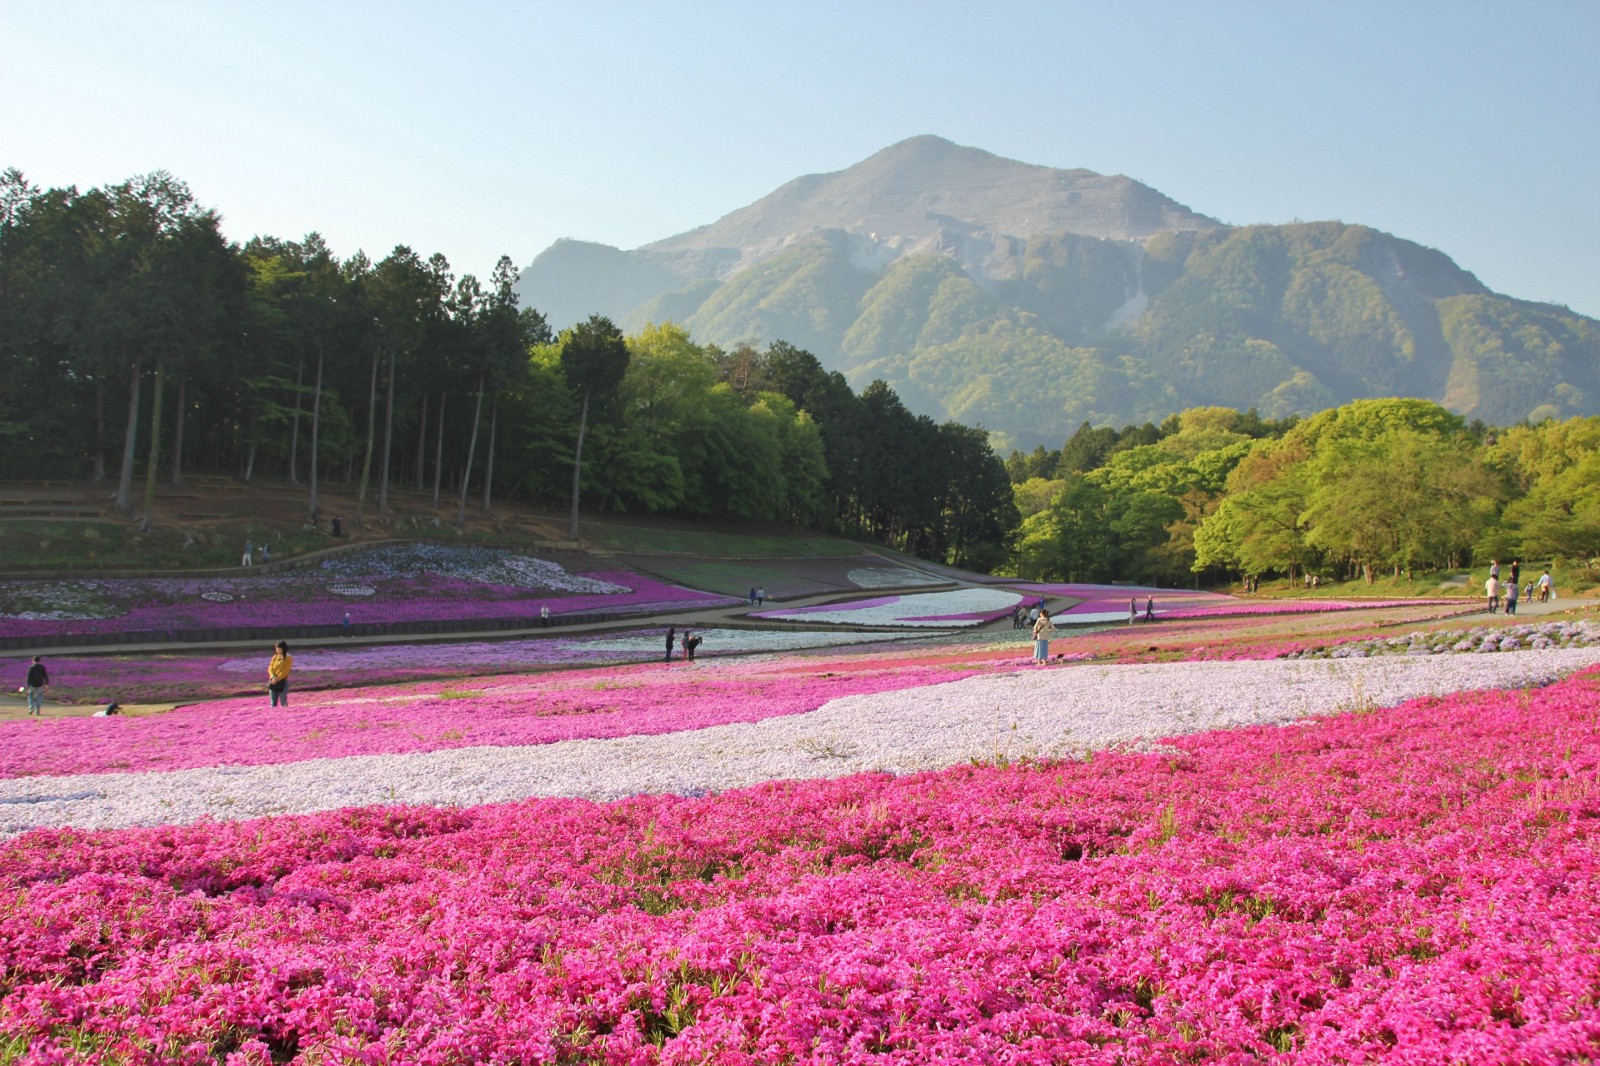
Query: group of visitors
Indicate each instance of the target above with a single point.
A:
(1509, 593)
(758, 595)
(1026, 614)
(250, 553)
(690, 642)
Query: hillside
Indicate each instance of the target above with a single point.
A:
(1029, 299)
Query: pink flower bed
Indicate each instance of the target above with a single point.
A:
(493, 711)
(296, 600)
(1417, 885)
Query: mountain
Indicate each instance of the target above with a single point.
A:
(1028, 299)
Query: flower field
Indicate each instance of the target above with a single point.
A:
(1109, 603)
(181, 676)
(379, 585)
(1406, 883)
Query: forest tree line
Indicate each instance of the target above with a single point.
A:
(138, 344)
(1375, 487)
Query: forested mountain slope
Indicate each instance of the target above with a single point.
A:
(1029, 299)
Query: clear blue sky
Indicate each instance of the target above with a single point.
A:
(476, 129)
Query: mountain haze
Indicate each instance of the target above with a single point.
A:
(1028, 299)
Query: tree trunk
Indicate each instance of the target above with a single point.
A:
(438, 453)
(316, 431)
(422, 450)
(388, 440)
(577, 462)
(99, 427)
(472, 446)
(129, 439)
(294, 422)
(488, 466)
(177, 434)
(372, 428)
(155, 448)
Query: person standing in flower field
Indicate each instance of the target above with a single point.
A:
(38, 678)
(1043, 630)
(672, 638)
(278, 675)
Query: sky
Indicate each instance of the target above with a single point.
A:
(480, 129)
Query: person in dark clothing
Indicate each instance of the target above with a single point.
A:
(690, 643)
(672, 639)
(1516, 570)
(1149, 608)
(38, 678)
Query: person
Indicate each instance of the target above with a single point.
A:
(1033, 615)
(1149, 608)
(278, 675)
(1043, 630)
(249, 554)
(266, 554)
(761, 595)
(690, 643)
(752, 595)
(1511, 597)
(1494, 569)
(1527, 591)
(38, 678)
(1544, 587)
(344, 624)
(544, 614)
(1516, 570)
(338, 527)
(1133, 610)
(110, 710)
(672, 638)
(1491, 588)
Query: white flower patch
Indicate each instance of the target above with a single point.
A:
(941, 610)
(1032, 712)
(890, 577)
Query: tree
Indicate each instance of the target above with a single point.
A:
(594, 358)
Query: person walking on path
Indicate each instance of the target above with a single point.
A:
(1133, 610)
(1043, 630)
(672, 639)
(1149, 608)
(278, 675)
(752, 595)
(344, 624)
(1511, 598)
(761, 595)
(249, 554)
(1544, 587)
(38, 678)
(1491, 589)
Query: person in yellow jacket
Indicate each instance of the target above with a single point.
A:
(1043, 630)
(278, 675)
